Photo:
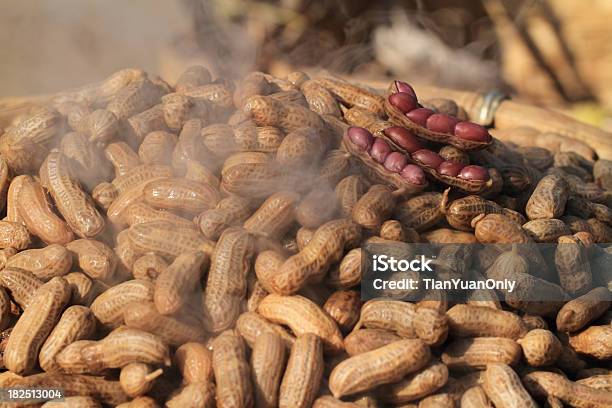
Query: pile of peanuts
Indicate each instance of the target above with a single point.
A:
(198, 245)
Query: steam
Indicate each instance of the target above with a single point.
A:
(409, 51)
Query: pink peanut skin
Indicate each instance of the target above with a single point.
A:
(404, 138)
(420, 116)
(472, 131)
(361, 137)
(380, 150)
(403, 101)
(428, 158)
(442, 123)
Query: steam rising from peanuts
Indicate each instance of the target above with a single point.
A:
(200, 243)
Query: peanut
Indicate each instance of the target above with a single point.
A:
(453, 154)
(139, 213)
(548, 199)
(251, 174)
(348, 191)
(194, 361)
(251, 325)
(255, 294)
(374, 207)
(139, 175)
(45, 263)
(393, 230)
(274, 217)
(104, 194)
(543, 384)
(475, 397)
(320, 100)
(302, 316)
(171, 330)
(106, 391)
(301, 148)
(232, 372)
(255, 83)
(22, 145)
(540, 347)
(190, 147)
(497, 228)
(364, 340)
(196, 395)
(179, 108)
(157, 148)
(95, 258)
(86, 163)
(310, 264)
(224, 140)
(327, 401)
(594, 341)
(573, 268)
(477, 321)
(76, 323)
(180, 195)
(348, 273)
(579, 312)
(449, 236)
(5, 309)
(384, 365)
(289, 116)
(14, 235)
(179, 281)
(71, 361)
(36, 212)
(166, 240)
(405, 319)
(534, 322)
(230, 211)
(122, 157)
(504, 388)
(136, 97)
(479, 351)
(430, 325)
(12, 198)
(353, 95)
(303, 374)
(226, 282)
(461, 212)
(532, 295)
(73, 111)
(21, 285)
(343, 306)
(109, 306)
(84, 290)
(136, 379)
(602, 381)
(196, 171)
(192, 77)
(35, 324)
(140, 402)
(126, 252)
(127, 346)
(415, 386)
(422, 211)
(546, 230)
(75, 206)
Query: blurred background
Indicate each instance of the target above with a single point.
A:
(555, 53)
